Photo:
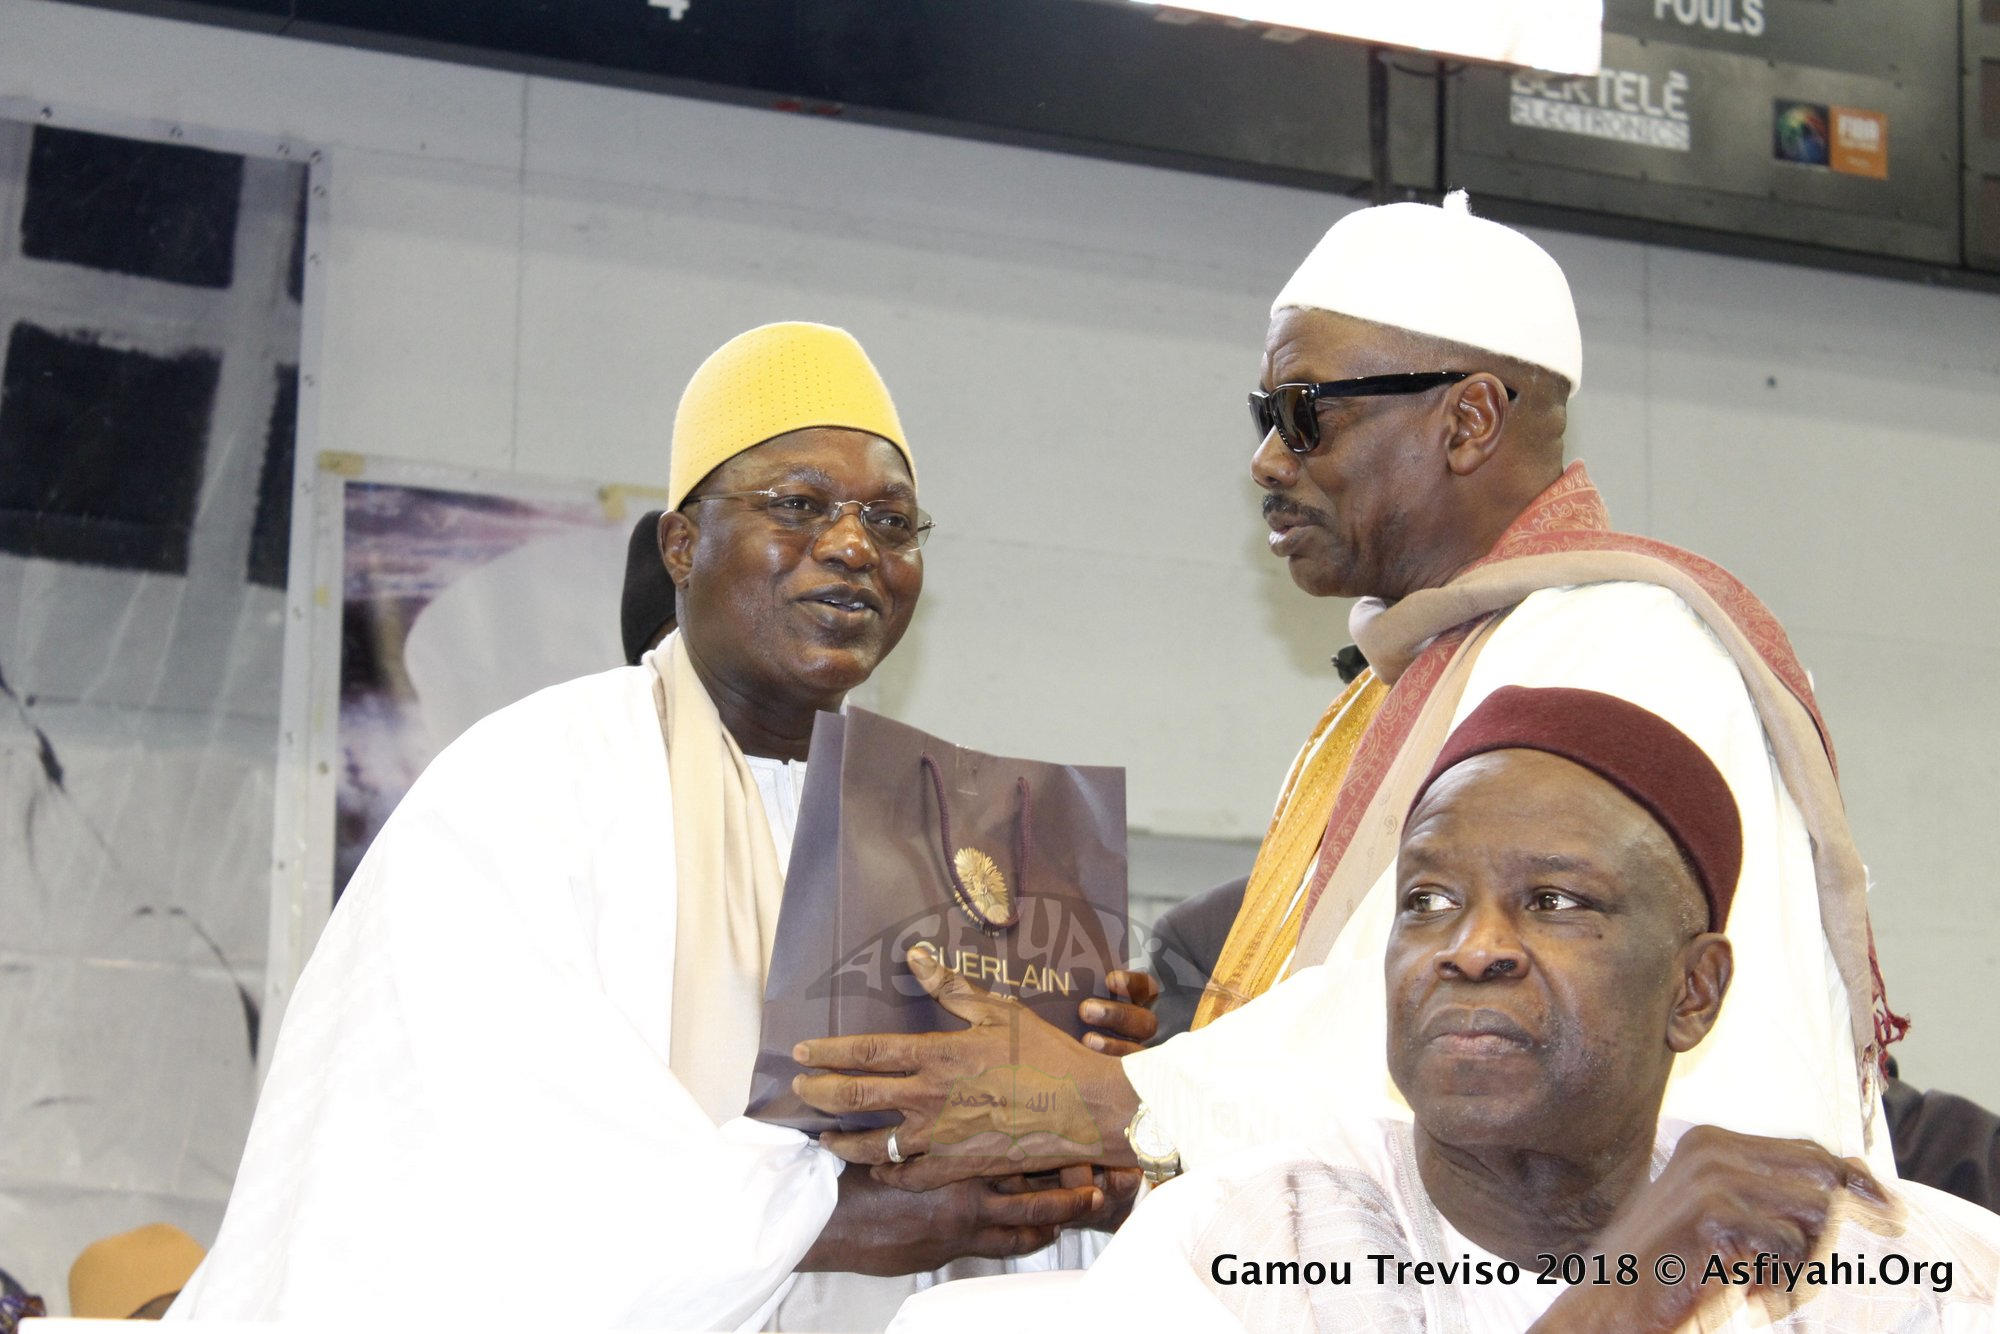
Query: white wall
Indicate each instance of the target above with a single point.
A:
(520, 273)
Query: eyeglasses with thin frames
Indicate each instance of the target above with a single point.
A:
(893, 525)
(1292, 409)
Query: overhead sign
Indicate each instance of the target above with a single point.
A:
(1770, 120)
(1662, 123)
(1744, 17)
(1558, 35)
(1629, 106)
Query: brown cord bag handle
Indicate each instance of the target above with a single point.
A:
(976, 882)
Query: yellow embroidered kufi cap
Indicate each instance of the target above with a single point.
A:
(118, 1275)
(774, 379)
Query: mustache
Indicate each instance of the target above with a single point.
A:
(1276, 506)
(1459, 1020)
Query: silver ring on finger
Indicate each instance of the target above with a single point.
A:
(895, 1152)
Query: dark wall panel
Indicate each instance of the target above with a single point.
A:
(1107, 78)
(164, 211)
(271, 529)
(1980, 39)
(101, 449)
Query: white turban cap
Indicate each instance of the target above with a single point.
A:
(1445, 273)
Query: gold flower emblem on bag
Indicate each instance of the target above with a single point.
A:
(992, 904)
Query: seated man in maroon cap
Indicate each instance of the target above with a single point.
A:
(1563, 883)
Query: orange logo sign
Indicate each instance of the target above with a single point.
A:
(1859, 142)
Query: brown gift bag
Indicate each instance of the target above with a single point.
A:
(1013, 869)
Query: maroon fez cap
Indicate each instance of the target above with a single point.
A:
(1636, 751)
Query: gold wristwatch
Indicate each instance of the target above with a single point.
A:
(1158, 1158)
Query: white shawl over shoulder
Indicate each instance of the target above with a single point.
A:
(470, 1115)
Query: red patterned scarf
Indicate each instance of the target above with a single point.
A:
(1563, 538)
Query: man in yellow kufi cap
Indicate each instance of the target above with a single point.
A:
(512, 1076)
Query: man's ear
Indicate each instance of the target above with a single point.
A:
(1706, 964)
(1478, 413)
(678, 535)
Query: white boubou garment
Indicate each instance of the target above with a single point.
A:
(1780, 1060)
(1327, 1234)
(473, 1113)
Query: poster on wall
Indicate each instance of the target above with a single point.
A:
(458, 595)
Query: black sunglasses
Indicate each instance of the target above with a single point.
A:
(1289, 409)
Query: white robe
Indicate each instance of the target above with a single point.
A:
(1354, 1193)
(1779, 1062)
(469, 1116)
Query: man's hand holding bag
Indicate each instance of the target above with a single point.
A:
(1010, 872)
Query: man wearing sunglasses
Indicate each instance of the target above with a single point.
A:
(1409, 440)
